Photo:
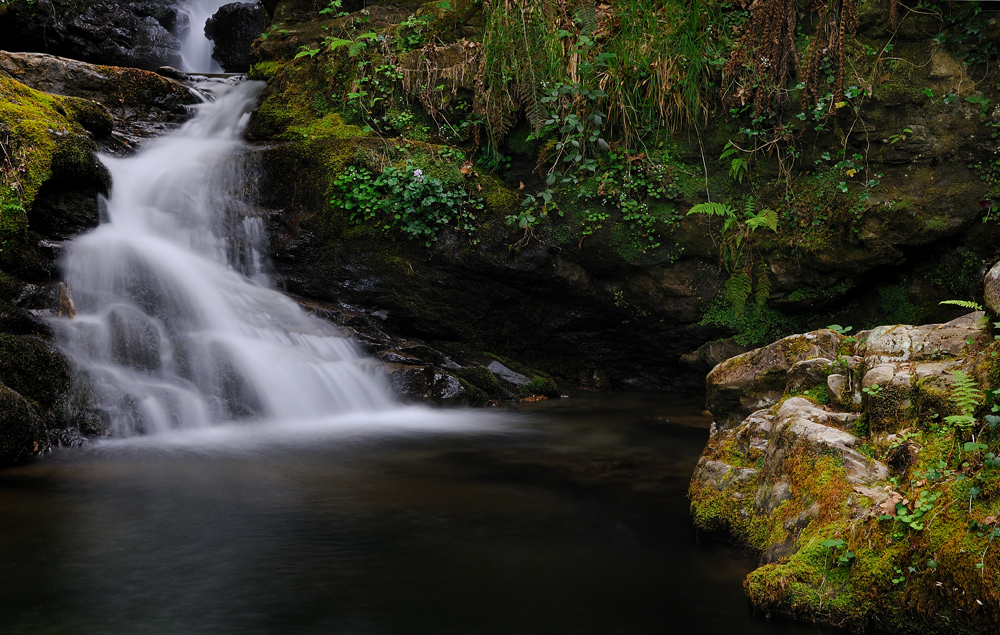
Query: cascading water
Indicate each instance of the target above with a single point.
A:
(196, 49)
(176, 326)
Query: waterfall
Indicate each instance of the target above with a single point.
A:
(196, 49)
(176, 326)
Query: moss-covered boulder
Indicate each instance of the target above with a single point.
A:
(133, 103)
(874, 512)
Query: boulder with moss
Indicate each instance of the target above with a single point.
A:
(49, 182)
(119, 106)
(869, 484)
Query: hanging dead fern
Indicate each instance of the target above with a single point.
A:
(765, 61)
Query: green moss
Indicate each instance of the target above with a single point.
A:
(498, 200)
(33, 369)
(540, 385)
(485, 381)
(19, 425)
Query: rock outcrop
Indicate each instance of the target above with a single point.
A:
(129, 103)
(140, 34)
(233, 29)
(580, 285)
(847, 464)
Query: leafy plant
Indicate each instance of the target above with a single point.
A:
(408, 201)
(965, 304)
(736, 250)
(966, 396)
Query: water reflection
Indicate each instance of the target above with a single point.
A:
(566, 517)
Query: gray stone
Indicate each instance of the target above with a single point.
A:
(991, 290)
(807, 373)
(710, 354)
(507, 374)
(755, 380)
(839, 387)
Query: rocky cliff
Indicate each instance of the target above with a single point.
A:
(876, 209)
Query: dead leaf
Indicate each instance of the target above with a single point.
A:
(888, 506)
(520, 185)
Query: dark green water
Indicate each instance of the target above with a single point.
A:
(568, 516)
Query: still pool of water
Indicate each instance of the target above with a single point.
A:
(567, 516)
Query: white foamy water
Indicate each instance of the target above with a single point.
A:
(196, 49)
(176, 325)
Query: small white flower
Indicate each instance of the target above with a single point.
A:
(418, 175)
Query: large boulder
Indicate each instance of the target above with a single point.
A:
(140, 34)
(749, 382)
(140, 103)
(233, 29)
(839, 478)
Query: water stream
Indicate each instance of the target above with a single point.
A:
(569, 517)
(177, 326)
(196, 49)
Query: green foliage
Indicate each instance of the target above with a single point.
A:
(966, 397)
(408, 201)
(838, 548)
(966, 304)
(911, 514)
(736, 251)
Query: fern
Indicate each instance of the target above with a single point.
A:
(586, 15)
(766, 218)
(965, 397)
(762, 286)
(975, 306)
(738, 290)
(713, 209)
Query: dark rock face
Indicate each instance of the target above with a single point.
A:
(233, 28)
(138, 34)
(541, 308)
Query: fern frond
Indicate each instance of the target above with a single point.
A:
(713, 209)
(762, 286)
(586, 15)
(738, 289)
(766, 218)
(975, 306)
(965, 396)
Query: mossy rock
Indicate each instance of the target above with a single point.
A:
(19, 427)
(34, 369)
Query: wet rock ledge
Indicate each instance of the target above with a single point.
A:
(863, 469)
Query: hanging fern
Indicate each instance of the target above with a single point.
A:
(766, 218)
(739, 286)
(713, 209)
(762, 286)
